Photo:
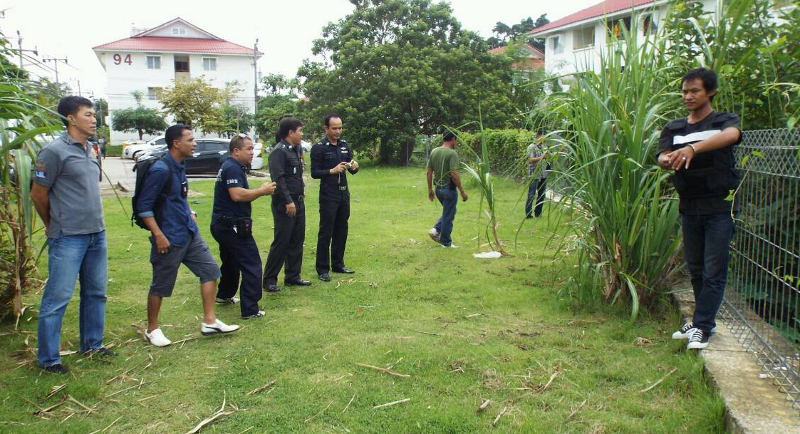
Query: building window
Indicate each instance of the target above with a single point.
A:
(178, 31)
(181, 66)
(557, 46)
(153, 62)
(582, 38)
(153, 92)
(615, 26)
(209, 64)
(649, 27)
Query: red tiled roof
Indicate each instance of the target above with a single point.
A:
(170, 44)
(503, 48)
(603, 8)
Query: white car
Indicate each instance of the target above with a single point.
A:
(134, 150)
(258, 160)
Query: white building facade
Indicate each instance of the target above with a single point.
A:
(153, 60)
(575, 43)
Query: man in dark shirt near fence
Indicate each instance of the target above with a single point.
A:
(288, 208)
(175, 237)
(699, 148)
(232, 227)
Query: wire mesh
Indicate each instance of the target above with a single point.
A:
(762, 303)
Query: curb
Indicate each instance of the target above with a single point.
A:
(753, 405)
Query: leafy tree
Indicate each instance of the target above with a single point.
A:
(398, 68)
(8, 69)
(139, 119)
(194, 103)
(100, 111)
(48, 93)
(281, 99)
(503, 33)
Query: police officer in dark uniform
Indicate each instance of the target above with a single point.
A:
(232, 226)
(288, 209)
(329, 160)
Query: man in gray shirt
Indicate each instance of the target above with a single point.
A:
(66, 194)
(536, 175)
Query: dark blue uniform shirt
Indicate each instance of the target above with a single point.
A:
(231, 175)
(324, 157)
(175, 216)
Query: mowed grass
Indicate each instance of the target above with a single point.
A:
(462, 330)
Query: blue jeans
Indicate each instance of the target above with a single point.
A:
(72, 257)
(706, 241)
(448, 198)
(536, 189)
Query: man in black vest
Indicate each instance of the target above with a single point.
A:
(288, 209)
(699, 148)
(232, 227)
(329, 160)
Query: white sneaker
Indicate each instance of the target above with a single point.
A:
(157, 338)
(686, 331)
(434, 235)
(451, 246)
(232, 300)
(217, 327)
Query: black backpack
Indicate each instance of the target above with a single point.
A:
(142, 168)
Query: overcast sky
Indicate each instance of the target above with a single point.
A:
(70, 29)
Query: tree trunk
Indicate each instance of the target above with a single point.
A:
(141, 134)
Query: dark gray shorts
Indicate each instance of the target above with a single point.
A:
(194, 254)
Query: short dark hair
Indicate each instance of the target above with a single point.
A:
(237, 142)
(174, 133)
(69, 105)
(329, 117)
(287, 125)
(707, 76)
(448, 136)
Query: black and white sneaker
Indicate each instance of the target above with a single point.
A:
(258, 314)
(686, 330)
(230, 300)
(698, 340)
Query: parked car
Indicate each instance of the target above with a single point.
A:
(258, 159)
(134, 149)
(207, 157)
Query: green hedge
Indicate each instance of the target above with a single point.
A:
(114, 151)
(506, 150)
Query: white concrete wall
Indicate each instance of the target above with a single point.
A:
(125, 78)
(188, 32)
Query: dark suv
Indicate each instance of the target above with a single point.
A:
(207, 157)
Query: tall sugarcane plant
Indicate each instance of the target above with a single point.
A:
(627, 225)
(22, 119)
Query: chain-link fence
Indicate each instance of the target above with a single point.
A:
(762, 303)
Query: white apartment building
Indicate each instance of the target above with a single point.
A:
(152, 60)
(574, 43)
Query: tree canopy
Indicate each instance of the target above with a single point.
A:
(397, 68)
(194, 103)
(139, 119)
(503, 33)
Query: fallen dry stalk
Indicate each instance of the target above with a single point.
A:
(385, 370)
(348, 404)
(577, 409)
(219, 413)
(389, 404)
(547, 386)
(80, 404)
(659, 381)
(484, 406)
(55, 390)
(323, 411)
(260, 389)
(502, 412)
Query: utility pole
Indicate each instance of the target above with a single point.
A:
(19, 43)
(255, 88)
(55, 60)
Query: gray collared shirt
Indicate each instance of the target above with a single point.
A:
(73, 175)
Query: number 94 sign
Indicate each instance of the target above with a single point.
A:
(119, 59)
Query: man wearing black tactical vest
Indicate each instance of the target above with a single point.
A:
(288, 208)
(232, 227)
(699, 148)
(329, 160)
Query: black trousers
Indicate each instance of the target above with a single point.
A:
(287, 243)
(239, 255)
(334, 211)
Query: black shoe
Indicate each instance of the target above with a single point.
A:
(343, 270)
(58, 368)
(529, 217)
(325, 277)
(698, 340)
(272, 287)
(100, 352)
(258, 314)
(298, 282)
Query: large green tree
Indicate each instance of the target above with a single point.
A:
(139, 119)
(194, 103)
(398, 68)
(503, 33)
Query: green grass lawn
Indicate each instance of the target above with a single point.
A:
(462, 330)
